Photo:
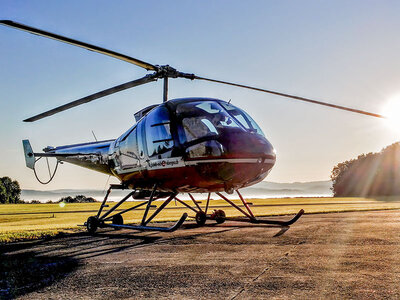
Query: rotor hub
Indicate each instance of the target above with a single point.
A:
(167, 71)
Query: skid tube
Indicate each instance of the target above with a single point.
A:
(151, 228)
(99, 220)
(202, 216)
(252, 219)
(271, 222)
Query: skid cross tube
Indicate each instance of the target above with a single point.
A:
(160, 208)
(235, 206)
(195, 203)
(103, 204)
(149, 204)
(185, 204)
(245, 204)
(116, 205)
(125, 210)
(208, 202)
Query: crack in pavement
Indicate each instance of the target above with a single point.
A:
(268, 268)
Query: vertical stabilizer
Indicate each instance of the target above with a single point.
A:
(29, 155)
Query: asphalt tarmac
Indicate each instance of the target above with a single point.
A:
(353, 255)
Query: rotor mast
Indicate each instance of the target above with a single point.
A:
(165, 72)
(165, 94)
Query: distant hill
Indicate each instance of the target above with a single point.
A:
(263, 189)
(294, 189)
(55, 195)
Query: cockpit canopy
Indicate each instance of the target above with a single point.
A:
(201, 119)
(189, 127)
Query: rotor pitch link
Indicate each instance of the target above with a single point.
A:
(272, 222)
(151, 228)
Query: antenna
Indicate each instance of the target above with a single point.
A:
(94, 135)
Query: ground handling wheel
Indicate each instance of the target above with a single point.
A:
(91, 224)
(117, 220)
(201, 218)
(219, 216)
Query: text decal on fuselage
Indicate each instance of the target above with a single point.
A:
(165, 163)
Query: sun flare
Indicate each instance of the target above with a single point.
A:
(392, 112)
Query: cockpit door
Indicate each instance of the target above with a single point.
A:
(129, 151)
(159, 141)
(125, 152)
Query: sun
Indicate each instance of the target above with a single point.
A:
(392, 112)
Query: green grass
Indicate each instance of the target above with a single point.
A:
(32, 221)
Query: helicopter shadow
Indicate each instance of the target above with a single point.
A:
(29, 266)
(26, 267)
(238, 225)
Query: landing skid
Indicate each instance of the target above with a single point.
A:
(219, 215)
(271, 222)
(150, 228)
(115, 220)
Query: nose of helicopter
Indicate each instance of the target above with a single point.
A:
(237, 160)
(253, 156)
(260, 147)
(250, 146)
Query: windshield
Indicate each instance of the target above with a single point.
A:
(203, 118)
(243, 118)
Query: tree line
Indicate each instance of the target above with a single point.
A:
(372, 174)
(10, 191)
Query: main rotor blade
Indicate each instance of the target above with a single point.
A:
(87, 46)
(115, 89)
(295, 97)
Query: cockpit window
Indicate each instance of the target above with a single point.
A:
(158, 134)
(243, 118)
(202, 119)
(210, 126)
(209, 107)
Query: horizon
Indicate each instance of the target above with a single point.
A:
(283, 190)
(264, 181)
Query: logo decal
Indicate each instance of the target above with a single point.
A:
(159, 164)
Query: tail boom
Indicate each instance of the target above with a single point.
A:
(89, 155)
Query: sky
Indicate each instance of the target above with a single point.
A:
(344, 52)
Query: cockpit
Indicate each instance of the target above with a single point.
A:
(192, 128)
(209, 128)
(201, 119)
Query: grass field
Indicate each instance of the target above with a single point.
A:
(31, 221)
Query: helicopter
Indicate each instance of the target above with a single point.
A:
(187, 145)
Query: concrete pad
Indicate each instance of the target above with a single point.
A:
(352, 255)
